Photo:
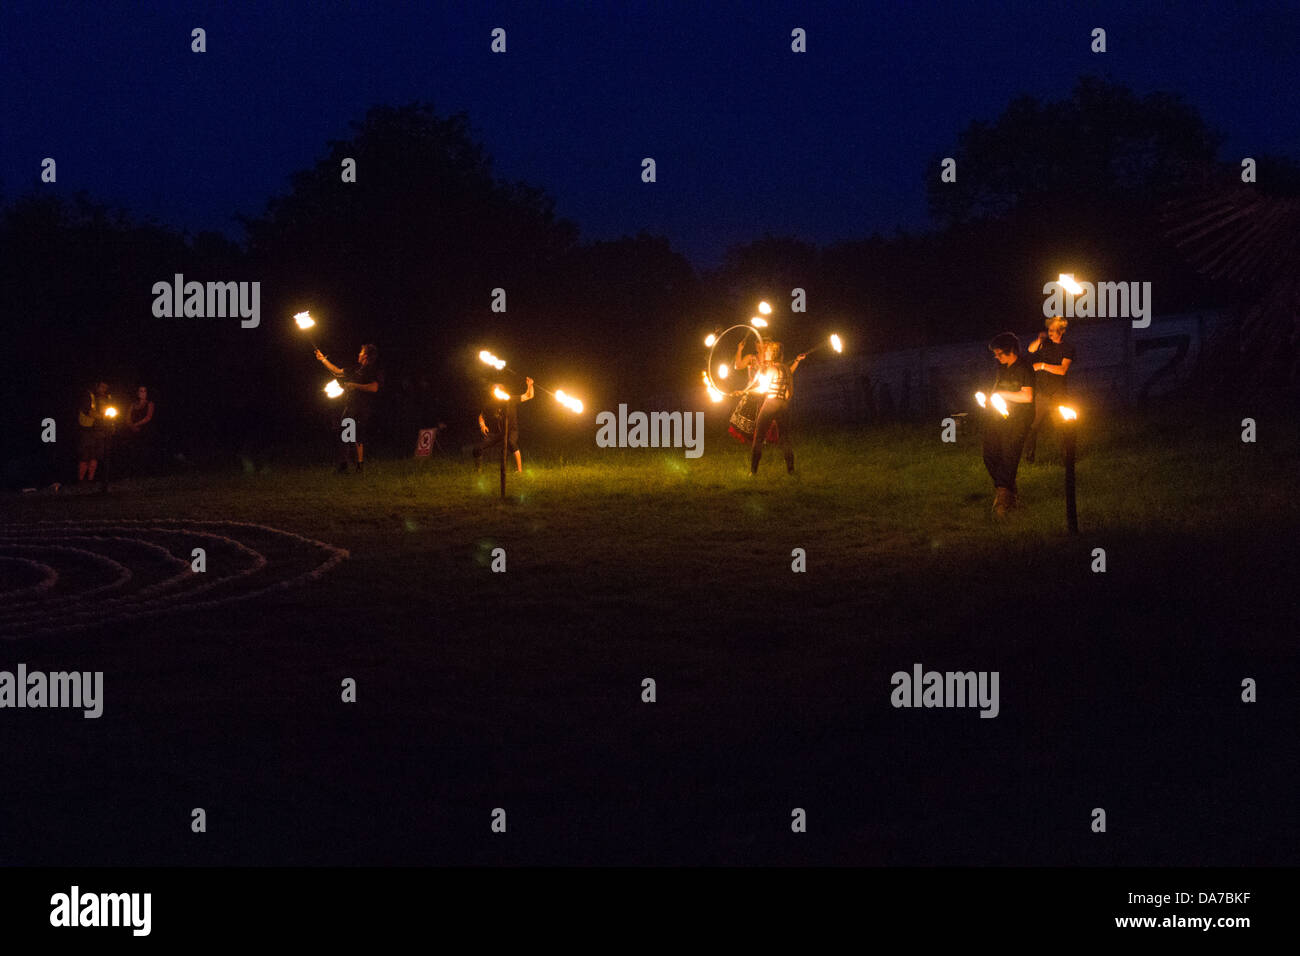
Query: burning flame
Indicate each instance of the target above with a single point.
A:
(1067, 282)
(490, 359)
(836, 344)
(764, 308)
(304, 320)
(334, 389)
(714, 395)
(723, 370)
(758, 323)
(110, 412)
(982, 399)
(499, 393)
(1000, 403)
(763, 381)
(709, 340)
(1068, 413)
(568, 401)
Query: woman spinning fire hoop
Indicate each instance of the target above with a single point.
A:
(774, 387)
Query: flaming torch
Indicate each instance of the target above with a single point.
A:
(334, 389)
(305, 322)
(835, 342)
(1000, 403)
(110, 412)
(570, 402)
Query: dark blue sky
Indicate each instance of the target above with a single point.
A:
(749, 137)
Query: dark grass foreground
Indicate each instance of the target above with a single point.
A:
(522, 690)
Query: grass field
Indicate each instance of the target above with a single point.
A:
(522, 690)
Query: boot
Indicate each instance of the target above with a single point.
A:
(1001, 502)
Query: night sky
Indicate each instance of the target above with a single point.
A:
(749, 137)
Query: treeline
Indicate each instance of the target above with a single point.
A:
(410, 254)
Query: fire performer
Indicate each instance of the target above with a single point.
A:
(1051, 362)
(1005, 428)
(361, 383)
(503, 414)
(776, 386)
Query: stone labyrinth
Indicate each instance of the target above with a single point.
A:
(63, 576)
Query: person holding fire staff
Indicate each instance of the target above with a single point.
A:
(1051, 361)
(1010, 411)
(361, 383)
(776, 387)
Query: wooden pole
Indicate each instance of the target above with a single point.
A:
(1071, 511)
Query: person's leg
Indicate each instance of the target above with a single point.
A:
(489, 442)
(82, 467)
(784, 438)
(992, 451)
(766, 413)
(1015, 441)
(1041, 411)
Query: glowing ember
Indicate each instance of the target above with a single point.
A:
(714, 395)
(334, 389)
(304, 320)
(1068, 413)
(836, 344)
(490, 359)
(1000, 403)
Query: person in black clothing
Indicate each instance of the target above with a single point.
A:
(500, 422)
(361, 383)
(1004, 437)
(1051, 361)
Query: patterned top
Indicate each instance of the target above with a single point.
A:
(780, 380)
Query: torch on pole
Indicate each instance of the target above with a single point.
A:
(1069, 418)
